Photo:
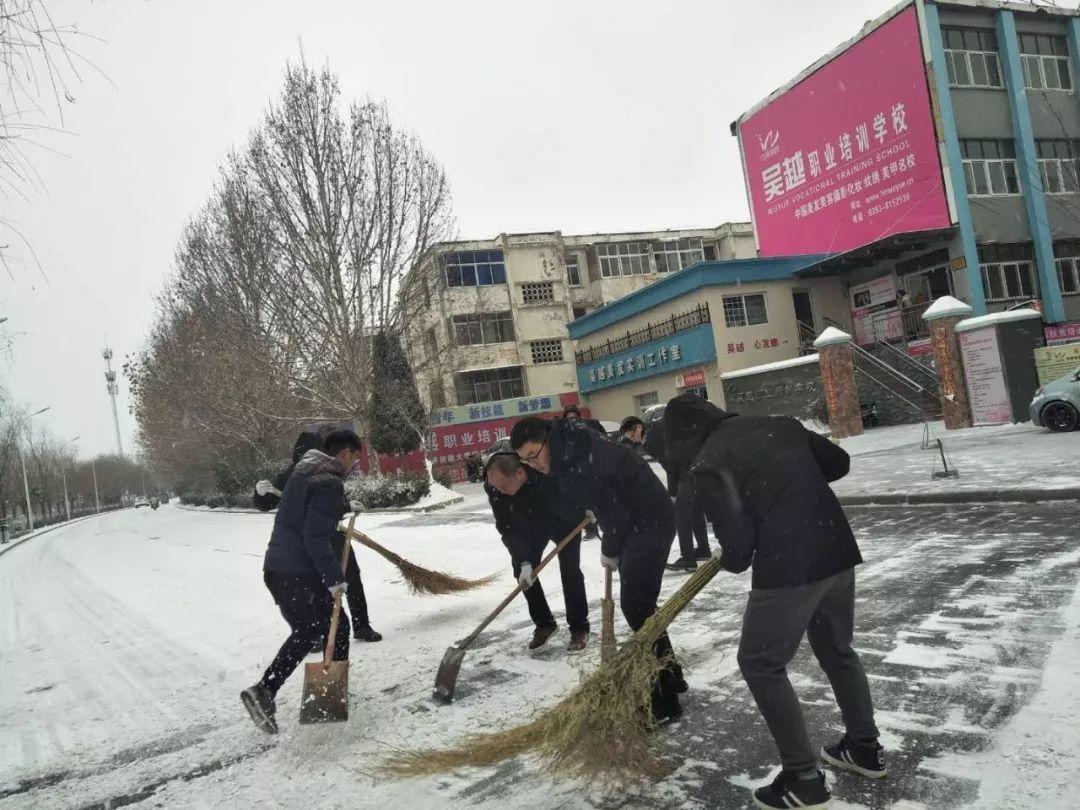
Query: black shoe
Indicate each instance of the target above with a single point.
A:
(260, 705)
(363, 632)
(682, 564)
(788, 790)
(867, 759)
(703, 554)
(578, 641)
(665, 708)
(541, 636)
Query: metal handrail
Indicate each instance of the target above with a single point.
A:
(881, 364)
(911, 362)
(916, 405)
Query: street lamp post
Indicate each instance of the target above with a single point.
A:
(63, 475)
(26, 485)
(97, 500)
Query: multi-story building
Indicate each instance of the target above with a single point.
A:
(489, 320)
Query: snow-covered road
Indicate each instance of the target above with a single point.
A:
(125, 639)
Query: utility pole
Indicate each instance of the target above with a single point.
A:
(26, 485)
(113, 389)
(63, 475)
(97, 500)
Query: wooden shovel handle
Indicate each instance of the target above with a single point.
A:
(513, 594)
(335, 613)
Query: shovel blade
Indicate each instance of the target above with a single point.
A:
(326, 693)
(446, 678)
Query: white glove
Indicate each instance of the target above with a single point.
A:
(264, 487)
(610, 562)
(589, 514)
(526, 579)
(341, 587)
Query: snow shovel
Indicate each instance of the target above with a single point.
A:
(607, 618)
(446, 678)
(326, 684)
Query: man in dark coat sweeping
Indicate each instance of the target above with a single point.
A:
(531, 511)
(301, 569)
(268, 496)
(635, 515)
(764, 484)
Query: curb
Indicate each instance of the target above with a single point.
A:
(6, 547)
(962, 497)
(389, 510)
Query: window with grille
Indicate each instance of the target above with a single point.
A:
(745, 310)
(675, 254)
(1008, 272)
(1058, 165)
(573, 270)
(990, 167)
(477, 328)
(643, 401)
(546, 351)
(489, 385)
(1068, 266)
(580, 312)
(474, 268)
(537, 292)
(1046, 62)
(623, 259)
(971, 57)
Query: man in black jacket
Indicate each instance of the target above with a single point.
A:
(268, 496)
(530, 511)
(634, 512)
(301, 569)
(764, 483)
(691, 530)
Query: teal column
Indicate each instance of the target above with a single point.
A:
(955, 160)
(1074, 50)
(1027, 160)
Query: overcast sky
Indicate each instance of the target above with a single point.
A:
(578, 116)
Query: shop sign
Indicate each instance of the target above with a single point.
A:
(523, 406)
(691, 379)
(669, 354)
(1057, 334)
(1054, 362)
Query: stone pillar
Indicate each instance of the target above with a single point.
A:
(942, 317)
(838, 379)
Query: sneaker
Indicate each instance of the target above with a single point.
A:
(682, 564)
(541, 636)
(260, 705)
(363, 632)
(867, 759)
(578, 641)
(703, 554)
(788, 790)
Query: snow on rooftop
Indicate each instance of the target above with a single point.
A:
(831, 336)
(946, 307)
(778, 365)
(996, 318)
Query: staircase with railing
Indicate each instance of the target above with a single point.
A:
(917, 400)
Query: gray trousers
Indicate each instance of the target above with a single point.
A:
(773, 627)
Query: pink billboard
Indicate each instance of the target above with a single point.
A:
(849, 154)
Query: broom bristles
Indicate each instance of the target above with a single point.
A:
(423, 581)
(598, 732)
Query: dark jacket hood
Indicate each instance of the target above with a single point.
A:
(315, 462)
(688, 421)
(304, 442)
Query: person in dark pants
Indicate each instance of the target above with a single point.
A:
(634, 512)
(531, 511)
(301, 570)
(692, 530)
(572, 413)
(764, 483)
(268, 495)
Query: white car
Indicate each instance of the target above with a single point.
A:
(140, 502)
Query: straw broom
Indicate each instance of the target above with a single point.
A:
(423, 581)
(599, 732)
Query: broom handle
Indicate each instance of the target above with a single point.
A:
(363, 539)
(335, 614)
(607, 629)
(513, 594)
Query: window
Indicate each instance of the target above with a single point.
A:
(546, 351)
(474, 268)
(573, 271)
(700, 391)
(436, 394)
(1046, 62)
(623, 259)
(710, 253)
(1058, 165)
(478, 328)
(990, 167)
(745, 310)
(643, 401)
(971, 57)
(1008, 272)
(675, 254)
(537, 292)
(579, 312)
(1068, 266)
(489, 385)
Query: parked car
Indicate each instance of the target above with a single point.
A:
(140, 501)
(1057, 404)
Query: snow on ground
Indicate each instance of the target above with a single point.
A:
(125, 639)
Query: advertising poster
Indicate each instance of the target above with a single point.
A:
(985, 377)
(848, 155)
(1054, 362)
(873, 305)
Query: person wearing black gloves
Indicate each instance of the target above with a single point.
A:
(301, 569)
(634, 512)
(268, 496)
(530, 511)
(764, 484)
